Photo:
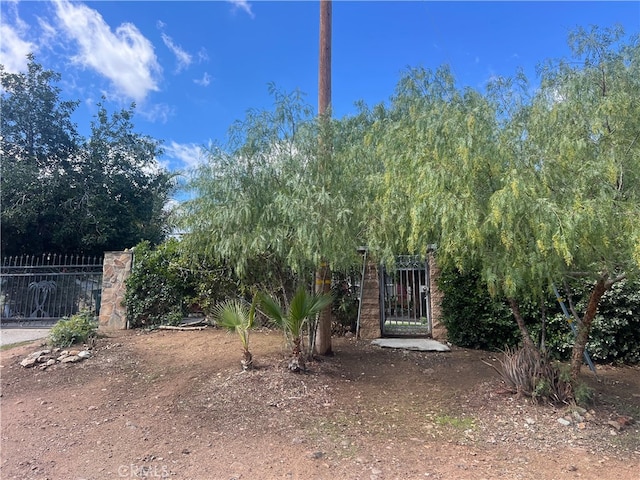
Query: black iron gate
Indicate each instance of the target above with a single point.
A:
(39, 290)
(405, 302)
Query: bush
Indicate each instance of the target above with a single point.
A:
(473, 319)
(165, 285)
(345, 303)
(615, 333)
(79, 328)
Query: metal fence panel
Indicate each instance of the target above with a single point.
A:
(39, 290)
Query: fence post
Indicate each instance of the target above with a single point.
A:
(115, 270)
(370, 313)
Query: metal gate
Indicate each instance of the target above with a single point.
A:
(405, 302)
(39, 290)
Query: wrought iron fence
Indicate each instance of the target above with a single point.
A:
(39, 290)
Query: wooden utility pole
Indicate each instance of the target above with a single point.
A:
(323, 275)
(324, 60)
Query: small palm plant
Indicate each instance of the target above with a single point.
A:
(235, 316)
(304, 306)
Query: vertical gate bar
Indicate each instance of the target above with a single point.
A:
(427, 279)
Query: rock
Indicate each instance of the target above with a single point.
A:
(614, 424)
(71, 359)
(317, 455)
(62, 356)
(39, 353)
(564, 421)
(530, 421)
(84, 354)
(50, 362)
(28, 362)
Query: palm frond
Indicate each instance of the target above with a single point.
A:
(273, 310)
(235, 317)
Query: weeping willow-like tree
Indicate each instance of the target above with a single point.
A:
(268, 194)
(534, 186)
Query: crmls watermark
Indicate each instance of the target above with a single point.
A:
(143, 471)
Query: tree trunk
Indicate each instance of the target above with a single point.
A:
(323, 276)
(584, 328)
(323, 334)
(526, 338)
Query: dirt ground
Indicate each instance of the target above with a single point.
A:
(169, 404)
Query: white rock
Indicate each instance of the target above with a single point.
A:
(71, 359)
(28, 362)
(564, 421)
(84, 354)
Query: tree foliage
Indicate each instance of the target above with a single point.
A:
(63, 193)
(268, 193)
(534, 187)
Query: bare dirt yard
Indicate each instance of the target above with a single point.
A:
(169, 404)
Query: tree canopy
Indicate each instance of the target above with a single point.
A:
(532, 187)
(269, 193)
(66, 194)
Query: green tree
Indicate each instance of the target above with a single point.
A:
(119, 190)
(534, 188)
(38, 145)
(268, 194)
(62, 193)
(235, 316)
(300, 314)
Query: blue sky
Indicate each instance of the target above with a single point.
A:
(194, 67)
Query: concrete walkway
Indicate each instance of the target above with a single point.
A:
(420, 344)
(9, 336)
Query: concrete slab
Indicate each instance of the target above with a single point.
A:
(9, 336)
(420, 344)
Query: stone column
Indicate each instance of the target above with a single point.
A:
(438, 330)
(115, 270)
(370, 311)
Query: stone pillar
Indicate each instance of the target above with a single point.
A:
(370, 311)
(438, 330)
(115, 270)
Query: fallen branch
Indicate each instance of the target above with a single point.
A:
(182, 329)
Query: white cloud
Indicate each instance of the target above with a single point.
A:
(204, 81)
(14, 46)
(184, 59)
(159, 112)
(203, 56)
(190, 154)
(243, 5)
(14, 50)
(125, 56)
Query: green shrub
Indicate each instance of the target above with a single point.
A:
(615, 333)
(345, 303)
(165, 285)
(79, 328)
(473, 319)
